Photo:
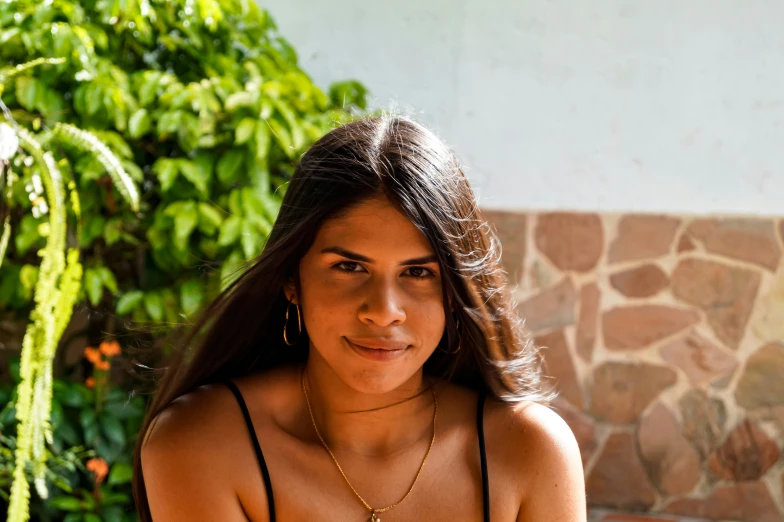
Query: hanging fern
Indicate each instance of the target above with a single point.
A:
(9, 72)
(56, 292)
(4, 238)
(90, 143)
(34, 391)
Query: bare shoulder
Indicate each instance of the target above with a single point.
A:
(189, 458)
(539, 454)
(192, 419)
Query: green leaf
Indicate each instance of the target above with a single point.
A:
(252, 205)
(169, 123)
(27, 236)
(230, 231)
(262, 141)
(27, 91)
(244, 130)
(210, 218)
(208, 247)
(149, 87)
(65, 503)
(122, 409)
(153, 303)
(91, 517)
(229, 166)
(283, 137)
(109, 498)
(92, 229)
(240, 99)
(129, 301)
(249, 239)
(94, 98)
(166, 170)
(231, 269)
(271, 205)
(184, 222)
(139, 124)
(112, 231)
(193, 174)
(351, 92)
(73, 517)
(121, 473)
(191, 296)
(113, 429)
(71, 396)
(114, 513)
(28, 276)
(108, 279)
(93, 285)
(235, 203)
(87, 418)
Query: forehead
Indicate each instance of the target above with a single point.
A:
(373, 224)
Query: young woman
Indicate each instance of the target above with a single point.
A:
(368, 366)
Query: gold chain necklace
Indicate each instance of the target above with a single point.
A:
(373, 512)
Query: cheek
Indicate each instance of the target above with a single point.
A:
(428, 324)
(326, 305)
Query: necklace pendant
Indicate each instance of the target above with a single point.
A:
(374, 518)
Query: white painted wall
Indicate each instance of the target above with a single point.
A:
(617, 105)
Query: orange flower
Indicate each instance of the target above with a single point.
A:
(110, 348)
(90, 382)
(99, 467)
(102, 365)
(92, 355)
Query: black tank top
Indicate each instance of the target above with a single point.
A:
(268, 483)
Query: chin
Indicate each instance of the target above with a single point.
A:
(376, 379)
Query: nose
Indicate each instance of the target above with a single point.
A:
(383, 305)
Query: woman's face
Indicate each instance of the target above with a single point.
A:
(371, 297)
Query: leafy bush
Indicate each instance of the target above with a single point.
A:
(95, 415)
(207, 110)
(203, 106)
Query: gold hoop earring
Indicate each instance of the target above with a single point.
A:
(286, 324)
(459, 339)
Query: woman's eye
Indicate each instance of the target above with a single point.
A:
(416, 272)
(349, 264)
(420, 272)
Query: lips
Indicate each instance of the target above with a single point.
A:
(378, 343)
(377, 349)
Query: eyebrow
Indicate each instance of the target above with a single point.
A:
(359, 257)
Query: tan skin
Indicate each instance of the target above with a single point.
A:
(199, 463)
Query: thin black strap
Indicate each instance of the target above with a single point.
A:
(259, 455)
(480, 427)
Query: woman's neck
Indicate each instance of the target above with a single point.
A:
(372, 425)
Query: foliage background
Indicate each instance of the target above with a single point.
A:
(206, 107)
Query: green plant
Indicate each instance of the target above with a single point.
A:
(205, 107)
(91, 484)
(198, 102)
(56, 287)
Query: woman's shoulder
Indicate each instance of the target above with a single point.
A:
(186, 417)
(211, 409)
(537, 451)
(198, 442)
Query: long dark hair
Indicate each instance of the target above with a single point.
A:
(392, 156)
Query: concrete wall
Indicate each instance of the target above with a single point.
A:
(554, 104)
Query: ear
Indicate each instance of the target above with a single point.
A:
(290, 290)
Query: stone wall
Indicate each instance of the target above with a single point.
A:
(665, 338)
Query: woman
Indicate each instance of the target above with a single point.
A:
(369, 364)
